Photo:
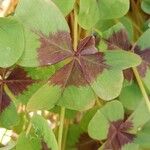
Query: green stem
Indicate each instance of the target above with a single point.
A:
(75, 34)
(65, 134)
(142, 88)
(60, 131)
(28, 128)
(9, 93)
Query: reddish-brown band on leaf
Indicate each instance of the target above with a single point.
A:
(145, 55)
(87, 46)
(44, 146)
(87, 143)
(70, 74)
(118, 135)
(54, 48)
(17, 81)
(120, 40)
(86, 64)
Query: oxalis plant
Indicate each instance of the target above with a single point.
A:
(75, 75)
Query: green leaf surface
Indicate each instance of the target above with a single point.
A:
(27, 143)
(65, 6)
(140, 116)
(74, 133)
(124, 22)
(87, 117)
(130, 146)
(41, 73)
(130, 96)
(144, 51)
(99, 124)
(42, 127)
(75, 98)
(143, 136)
(11, 41)
(45, 98)
(145, 5)
(144, 41)
(26, 95)
(120, 59)
(6, 119)
(112, 9)
(88, 13)
(105, 85)
(36, 24)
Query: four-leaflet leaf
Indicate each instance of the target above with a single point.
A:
(86, 72)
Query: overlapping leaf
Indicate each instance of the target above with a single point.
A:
(130, 96)
(28, 142)
(110, 123)
(64, 6)
(11, 41)
(45, 132)
(90, 11)
(145, 5)
(44, 19)
(16, 80)
(117, 37)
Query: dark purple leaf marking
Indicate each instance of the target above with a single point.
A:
(87, 143)
(54, 48)
(145, 55)
(17, 81)
(85, 65)
(120, 40)
(118, 135)
(44, 146)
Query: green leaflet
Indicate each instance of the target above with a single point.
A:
(99, 124)
(38, 23)
(87, 117)
(73, 98)
(143, 136)
(124, 22)
(41, 126)
(65, 6)
(88, 13)
(140, 116)
(45, 98)
(122, 60)
(11, 41)
(131, 96)
(113, 9)
(130, 146)
(6, 119)
(144, 45)
(27, 143)
(77, 98)
(105, 85)
(145, 5)
(144, 41)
